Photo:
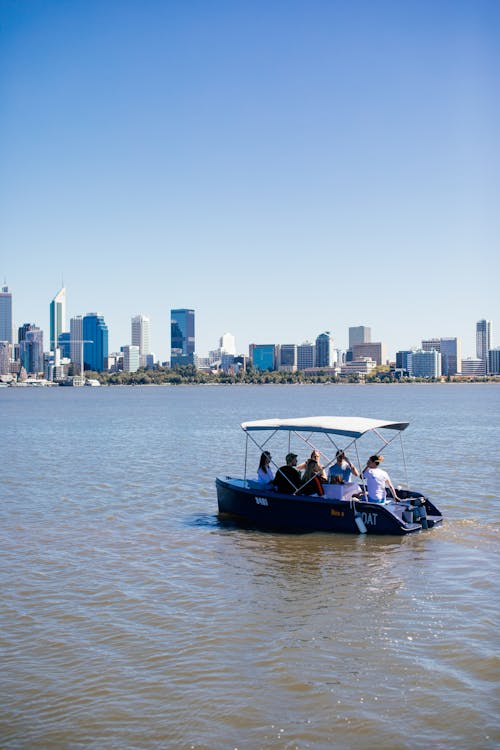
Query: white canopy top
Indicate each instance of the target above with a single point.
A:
(350, 426)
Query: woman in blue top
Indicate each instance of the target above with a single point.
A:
(342, 468)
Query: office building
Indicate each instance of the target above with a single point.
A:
(5, 357)
(361, 366)
(141, 337)
(95, 342)
(76, 343)
(226, 362)
(429, 345)
(494, 361)
(288, 357)
(182, 340)
(324, 350)
(31, 349)
(64, 344)
(227, 344)
(22, 331)
(483, 339)
(6, 315)
(263, 356)
(305, 356)
(402, 359)
(57, 318)
(359, 335)
(473, 367)
(424, 364)
(373, 350)
(451, 356)
(131, 358)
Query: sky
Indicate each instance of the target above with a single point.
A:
(284, 167)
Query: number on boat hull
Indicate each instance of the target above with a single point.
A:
(261, 501)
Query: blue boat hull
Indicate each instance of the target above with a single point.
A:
(268, 509)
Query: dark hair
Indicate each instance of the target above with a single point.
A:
(263, 458)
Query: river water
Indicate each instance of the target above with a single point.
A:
(130, 617)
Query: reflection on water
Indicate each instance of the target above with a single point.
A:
(132, 616)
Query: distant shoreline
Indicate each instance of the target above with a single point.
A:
(495, 381)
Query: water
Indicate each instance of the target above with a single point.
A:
(131, 618)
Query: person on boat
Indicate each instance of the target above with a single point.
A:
(264, 472)
(377, 480)
(312, 479)
(315, 456)
(288, 479)
(342, 469)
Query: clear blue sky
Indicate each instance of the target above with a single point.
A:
(284, 167)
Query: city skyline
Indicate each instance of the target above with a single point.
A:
(140, 326)
(283, 169)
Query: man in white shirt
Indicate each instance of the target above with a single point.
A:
(377, 480)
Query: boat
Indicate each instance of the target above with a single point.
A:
(343, 507)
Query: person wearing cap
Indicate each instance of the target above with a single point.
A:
(287, 477)
(377, 480)
(342, 469)
(264, 472)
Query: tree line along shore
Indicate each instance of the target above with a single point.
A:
(189, 375)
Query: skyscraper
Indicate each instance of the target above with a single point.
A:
(5, 357)
(76, 343)
(57, 317)
(6, 315)
(31, 350)
(324, 350)
(140, 336)
(359, 335)
(483, 339)
(182, 341)
(451, 356)
(228, 344)
(95, 346)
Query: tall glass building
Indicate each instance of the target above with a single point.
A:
(6, 315)
(483, 339)
(324, 350)
(451, 356)
(64, 344)
(181, 337)
(95, 343)
(76, 343)
(31, 349)
(57, 318)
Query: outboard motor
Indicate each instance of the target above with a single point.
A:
(418, 511)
